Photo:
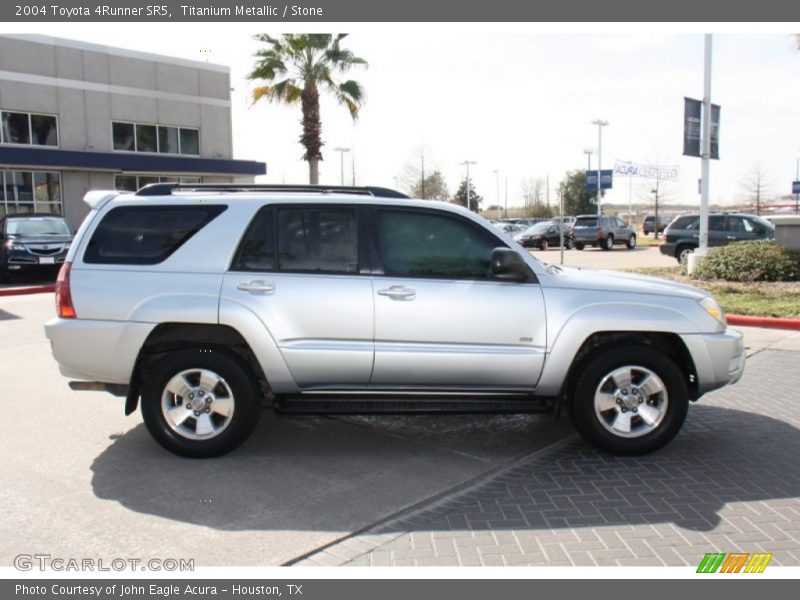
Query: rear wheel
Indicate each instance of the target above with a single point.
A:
(579, 245)
(631, 243)
(545, 245)
(630, 400)
(569, 244)
(200, 403)
(608, 243)
(683, 251)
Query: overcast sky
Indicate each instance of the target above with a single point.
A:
(515, 98)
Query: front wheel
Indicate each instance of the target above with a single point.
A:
(683, 252)
(569, 244)
(630, 400)
(631, 243)
(545, 246)
(200, 403)
(608, 243)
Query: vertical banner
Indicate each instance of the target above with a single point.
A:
(691, 126)
(714, 152)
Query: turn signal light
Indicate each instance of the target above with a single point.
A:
(64, 308)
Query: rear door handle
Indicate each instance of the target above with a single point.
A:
(398, 292)
(257, 286)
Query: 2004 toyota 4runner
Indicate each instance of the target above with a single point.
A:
(202, 303)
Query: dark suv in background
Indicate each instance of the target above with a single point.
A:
(32, 242)
(603, 231)
(682, 235)
(649, 224)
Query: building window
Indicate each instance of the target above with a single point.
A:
(163, 139)
(29, 192)
(132, 183)
(28, 129)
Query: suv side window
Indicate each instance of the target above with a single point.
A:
(739, 225)
(716, 223)
(146, 235)
(426, 244)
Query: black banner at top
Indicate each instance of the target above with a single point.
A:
(321, 11)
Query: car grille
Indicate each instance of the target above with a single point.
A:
(45, 249)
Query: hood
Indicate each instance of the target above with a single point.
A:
(616, 281)
(41, 239)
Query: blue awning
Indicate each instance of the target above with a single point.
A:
(54, 158)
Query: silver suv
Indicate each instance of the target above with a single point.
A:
(202, 304)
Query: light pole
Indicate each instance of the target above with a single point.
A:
(600, 124)
(467, 163)
(341, 152)
(497, 176)
(588, 152)
(797, 195)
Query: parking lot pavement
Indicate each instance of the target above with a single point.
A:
(730, 482)
(81, 479)
(618, 258)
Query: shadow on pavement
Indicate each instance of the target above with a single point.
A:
(319, 474)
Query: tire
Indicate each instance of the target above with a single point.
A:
(579, 246)
(545, 246)
(602, 383)
(683, 250)
(569, 244)
(608, 243)
(181, 380)
(645, 232)
(631, 243)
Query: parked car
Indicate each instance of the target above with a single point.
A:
(32, 242)
(543, 235)
(603, 232)
(199, 303)
(649, 223)
(682, 235)
(511, 229)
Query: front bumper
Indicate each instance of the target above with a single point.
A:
(718, 358)
(667, 249)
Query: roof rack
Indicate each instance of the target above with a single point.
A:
(166, 189)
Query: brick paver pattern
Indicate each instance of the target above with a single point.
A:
(730, 482)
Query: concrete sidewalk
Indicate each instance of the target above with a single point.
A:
(730, 482)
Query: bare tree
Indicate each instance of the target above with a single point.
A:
(534, 194)
(756, 186)
(416, 174)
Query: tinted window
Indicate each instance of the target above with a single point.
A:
(684, 222)
(190, 141)
(44, 129)
(146, 138)
(586, 222)
(739, 225)
(317, 239)
(257, 250)
(15, 128)
(432, 245)
(168, 140)
(146, 235)
(716, 223)
(123, 136)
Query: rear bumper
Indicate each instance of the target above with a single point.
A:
(719, 358)
(103, 351)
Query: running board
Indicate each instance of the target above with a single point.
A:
(397, 405)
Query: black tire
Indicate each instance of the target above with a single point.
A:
(569, 244)
(681, 250)
(608, 243)
(631, 243)
(234, 375)
(586, 419)
(579, 245)
(545, 246)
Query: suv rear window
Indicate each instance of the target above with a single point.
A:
(586, 222)
(146, 235)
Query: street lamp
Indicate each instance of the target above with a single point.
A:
(497, 176)
(600, 124)
(467, 163)
(341, 152)
(588, 152)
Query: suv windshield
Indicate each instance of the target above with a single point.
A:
(37, 226)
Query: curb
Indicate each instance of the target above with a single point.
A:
(33, 289)
(768, 322)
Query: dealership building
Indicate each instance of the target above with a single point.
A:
(76, 117)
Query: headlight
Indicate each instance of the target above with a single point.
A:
(12, 245)
(713, 308)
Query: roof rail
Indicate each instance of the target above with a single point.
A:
(166, 189)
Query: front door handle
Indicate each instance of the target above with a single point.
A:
(398, 292)
(257, 286)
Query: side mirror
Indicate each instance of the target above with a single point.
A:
(508, 265)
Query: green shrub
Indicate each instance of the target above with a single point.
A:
(761, 260)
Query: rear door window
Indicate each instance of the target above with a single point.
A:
(146, 235)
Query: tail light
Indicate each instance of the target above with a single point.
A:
(599, 230)
(64, 307)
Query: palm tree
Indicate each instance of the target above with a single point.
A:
(296, 67)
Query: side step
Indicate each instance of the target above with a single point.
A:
(393, 405)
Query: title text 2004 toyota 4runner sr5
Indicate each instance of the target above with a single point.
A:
(202, 304)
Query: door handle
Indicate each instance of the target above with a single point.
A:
(257, 286)
(398, 292)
